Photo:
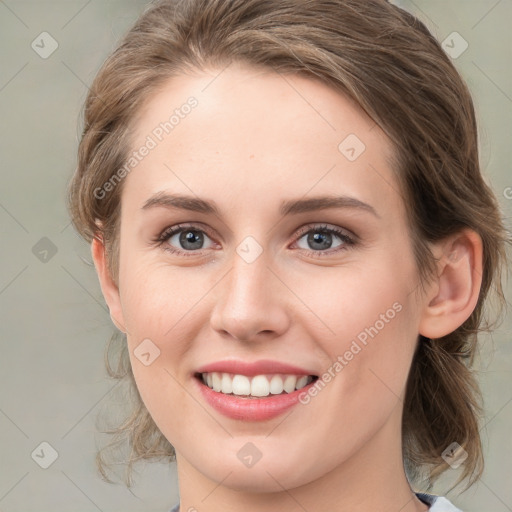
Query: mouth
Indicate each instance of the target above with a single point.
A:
(252, 391)
(256, 386)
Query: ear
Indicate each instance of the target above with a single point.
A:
(453, 295)
(108, 287)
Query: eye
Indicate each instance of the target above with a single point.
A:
(183, 239)
(189, 240)
(322, 238)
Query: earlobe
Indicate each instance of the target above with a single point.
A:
(454, 293)
(108, 287)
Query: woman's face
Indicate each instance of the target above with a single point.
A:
(264, 281)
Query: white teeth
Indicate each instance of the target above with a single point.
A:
(241, 385)
(227, 384)
(301, 382)
(216, 381)
(289, 383)
(276, 385)
(260, 386)
(257, 386)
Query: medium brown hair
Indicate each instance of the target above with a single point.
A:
(392, 66)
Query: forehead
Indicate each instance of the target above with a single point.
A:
(253, 134)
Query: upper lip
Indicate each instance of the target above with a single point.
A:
(250, 369)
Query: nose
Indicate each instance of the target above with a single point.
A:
(252, 301)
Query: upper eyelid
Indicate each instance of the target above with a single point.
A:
(319, 226)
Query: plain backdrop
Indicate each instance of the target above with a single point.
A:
(54, 322)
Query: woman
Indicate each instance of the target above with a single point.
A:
(289, 223)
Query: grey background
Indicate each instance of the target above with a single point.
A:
(54, 323)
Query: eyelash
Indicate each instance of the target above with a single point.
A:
(167, 233)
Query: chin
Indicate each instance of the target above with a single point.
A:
(262, 480)
(269, 474)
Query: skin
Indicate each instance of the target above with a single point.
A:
(254, 140)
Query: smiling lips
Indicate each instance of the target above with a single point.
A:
(252, 391)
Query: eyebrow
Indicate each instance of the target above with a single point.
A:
(290, 207)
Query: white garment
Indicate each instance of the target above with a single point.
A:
(438, 503)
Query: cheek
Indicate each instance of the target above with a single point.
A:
(157, 309)
(367, 328)
(156, 298)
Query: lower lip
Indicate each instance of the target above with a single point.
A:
(251, 409)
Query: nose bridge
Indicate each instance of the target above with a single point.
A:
(249, 301)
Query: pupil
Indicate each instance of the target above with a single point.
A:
(190, 237)
(321, 237)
